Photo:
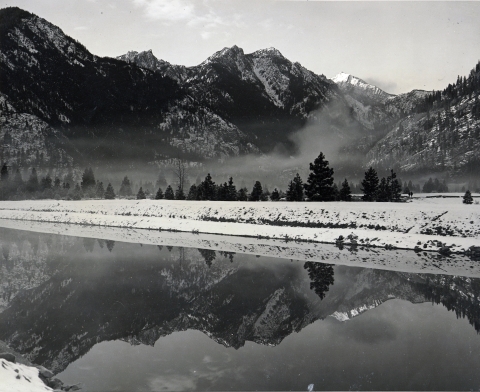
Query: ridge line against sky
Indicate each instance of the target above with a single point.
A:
(398, 46)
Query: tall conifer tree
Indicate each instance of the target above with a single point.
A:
(370, 185)
(319, 185)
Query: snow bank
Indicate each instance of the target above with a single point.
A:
(15, 377)
(399, 260)
(423, 224)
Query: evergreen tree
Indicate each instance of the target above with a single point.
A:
(242, 194)
(32, 183)
(46, 183)
(4, 173)
(222, 192)
(345, 192)
(99, 190)
(208, 188)
(370, 185)
(77, 192)
(257, 192)
(395, 190)
(319, 186)
(231, 190)
(169, 195)
(109, 193)
(383, 192)
(125, 187)
(295, 189)
(17, 180)
(57, 183)
(275, 196)
(428, 186)
(88, 179)
(192, 193)
(141, 194)
(336, 192)
(467, 198)
(179, 195)
(159, 194)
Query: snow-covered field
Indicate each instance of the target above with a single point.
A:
(426, 224)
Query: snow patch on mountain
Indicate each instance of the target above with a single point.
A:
(359, 84)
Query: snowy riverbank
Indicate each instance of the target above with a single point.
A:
(426, 224)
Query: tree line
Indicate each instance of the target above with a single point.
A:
(319, 186)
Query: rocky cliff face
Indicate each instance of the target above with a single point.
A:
(88, 99)
(229, 105)
(262, 95)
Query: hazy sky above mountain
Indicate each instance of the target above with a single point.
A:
(398, 46)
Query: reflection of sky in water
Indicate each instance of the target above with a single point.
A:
(397, 345)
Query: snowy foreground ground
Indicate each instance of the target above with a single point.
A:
(289, 230)
(15, 377)
(426, 224)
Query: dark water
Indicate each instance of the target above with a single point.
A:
(127, 317)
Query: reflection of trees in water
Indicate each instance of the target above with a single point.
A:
(227, 255)
(208, 255)
(110, 244)
(5, 260)
(88, 244)
(321, 276)
(458, 294)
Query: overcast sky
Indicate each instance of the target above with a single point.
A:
(398, 46)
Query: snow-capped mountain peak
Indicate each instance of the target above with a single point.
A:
(226, 53)
(347, 80)
(268, 52)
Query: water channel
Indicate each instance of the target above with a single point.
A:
(120, 316)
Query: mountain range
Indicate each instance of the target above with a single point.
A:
(61, 107)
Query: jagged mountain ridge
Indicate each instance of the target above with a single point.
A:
(138, 108)
(263, 94)
(231, 104)
(374, 107)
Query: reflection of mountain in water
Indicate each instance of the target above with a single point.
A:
(84, 292)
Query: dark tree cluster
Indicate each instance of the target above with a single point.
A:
(386, 189)
(434, 186)
(14, 187)
(321, 276)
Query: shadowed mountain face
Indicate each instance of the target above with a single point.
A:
(89, 99)
(63, 295)
(144, 109)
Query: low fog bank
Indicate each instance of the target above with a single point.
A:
(332, 130)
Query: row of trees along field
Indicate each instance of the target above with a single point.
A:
(319, 186)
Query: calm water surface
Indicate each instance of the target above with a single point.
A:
(130, 317)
